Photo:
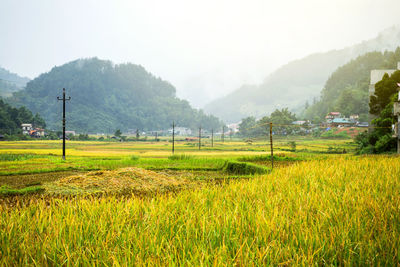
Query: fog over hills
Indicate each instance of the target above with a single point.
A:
(296, 82)
(10, 82)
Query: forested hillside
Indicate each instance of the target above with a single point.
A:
(346, 90)
(11, 118)
(296, 82)
(10, 82)
(107, 96)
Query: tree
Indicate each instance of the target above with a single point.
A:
(39, 121)
(282, 118)
(247, 127)
(384, 90)
(118, 133)
(381, 105)
(137, 134)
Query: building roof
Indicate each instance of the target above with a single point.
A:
(341, 120)
(334, 113)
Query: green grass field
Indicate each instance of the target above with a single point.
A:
(134, 203)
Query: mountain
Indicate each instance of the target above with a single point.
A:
(296, 82)
(347, 88)
(105, 97)
(10, 82)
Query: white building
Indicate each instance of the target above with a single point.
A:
(26, 128)
(70, 133)
(181, 131)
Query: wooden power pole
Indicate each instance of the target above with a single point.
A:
(212, 137)
(63, 119)
(173, 137)
(199, 137)
(272, 147)
(223, 133)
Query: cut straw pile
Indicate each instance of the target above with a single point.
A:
(126, 180)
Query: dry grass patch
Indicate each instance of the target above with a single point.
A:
(125, 180)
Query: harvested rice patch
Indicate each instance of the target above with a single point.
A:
(126, 180)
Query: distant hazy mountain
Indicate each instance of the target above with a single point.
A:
(10, 82)
(106, 97)
(296, 82)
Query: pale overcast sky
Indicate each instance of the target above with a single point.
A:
(206, 48)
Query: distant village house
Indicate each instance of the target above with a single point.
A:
(335, 119)
(27, 129)
(70, 133)
(181, 131)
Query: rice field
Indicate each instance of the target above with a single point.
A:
(313, 208)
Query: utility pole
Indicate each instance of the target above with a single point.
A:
(173, 137)
(223, 133)
(212, 137)
(272, 147)
(63, 119)
(156, 136)
(199, 137)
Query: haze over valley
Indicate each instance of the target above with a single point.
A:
(206, 50)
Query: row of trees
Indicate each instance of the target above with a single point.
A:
(250, 127)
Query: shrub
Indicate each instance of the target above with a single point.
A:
(385, 143)
(240, 168)
(292, 145)
(135, 157)
(333, 135)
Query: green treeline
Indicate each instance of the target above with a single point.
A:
(105, 97)
(346, 90)
(11, 119)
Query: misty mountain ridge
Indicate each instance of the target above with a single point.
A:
(11, 82)
(107, 96)
(347, 89)
(296, 82)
